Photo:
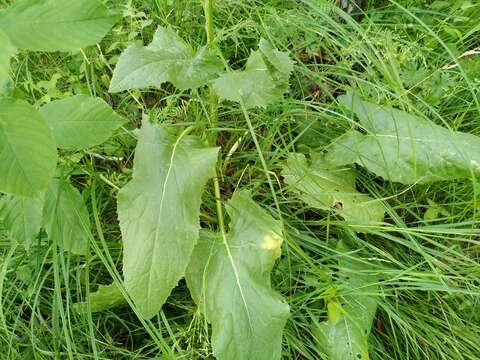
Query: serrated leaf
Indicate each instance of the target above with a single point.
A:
(6, 52)
(257, 85)
(279, 59)
(81, 121)
(345, 337)
(106, 297)
(56, 25)
(230, 281)
(167, 58)
(331, 188)
(28, 155)
(22, 217)
(159, 213)
(66, 217)
(404, 148)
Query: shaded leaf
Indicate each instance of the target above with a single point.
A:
(230, 281)
(6, 52)
(331, 188)
(66, 217)
(167, 58)
(22, 217)
(56, 25)
(106, 297)
(28, 155)
(159, 213)
(403, 148)
(345, 335)
(81, 121)
(258, 85)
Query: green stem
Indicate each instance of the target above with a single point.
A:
(212, 139)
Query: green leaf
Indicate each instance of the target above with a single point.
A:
(404, 148)
(255, 85)
(345, 335)
(22, 217)
(28, 155)
(6, 52)
(167, 58)
(159, 213)
(106, 297)
(230, 281)
(56, 25)
(66, 217)
(81, 121)
(331, 188)
(280, 60)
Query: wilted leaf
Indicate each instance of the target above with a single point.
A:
(257, 85)
(22, 217)
(28, 155)
(331, 188)
(345, 336)
(56, 25)
(159, 213)
(106, 297)
(6, 52)
(81, 121)
(167, 58)
(230, 281)
(66, 217)
(403, 148)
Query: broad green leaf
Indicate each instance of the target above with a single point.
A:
(404, 148)
(344, 336)
(327, 187)
(22, 217)
(66, 217)
(81, 121)
(28, 155)
(280, 60)
(230, 281)
(167, 58)
(56, 25)
(6, 52)
(159, 213)
(106, 297)
(256, 86)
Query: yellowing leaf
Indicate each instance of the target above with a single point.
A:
(258, 85)
(330, 188)
(403, 148)
(230, 281)
(106, 297)
(56, 25)
(159, 213)
(66, 217)
(167, 58)
(344, 336)
(28, 156)
(80, 121)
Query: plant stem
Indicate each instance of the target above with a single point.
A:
(212, 139)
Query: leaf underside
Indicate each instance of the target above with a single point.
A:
(66, 217)
(56, 25)
(331, 188)
(22, 217)
(28, 155)
(159, 213)
(167, 58)
(345, 337)
(403, 148)
(80, 122)
(229, 279)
